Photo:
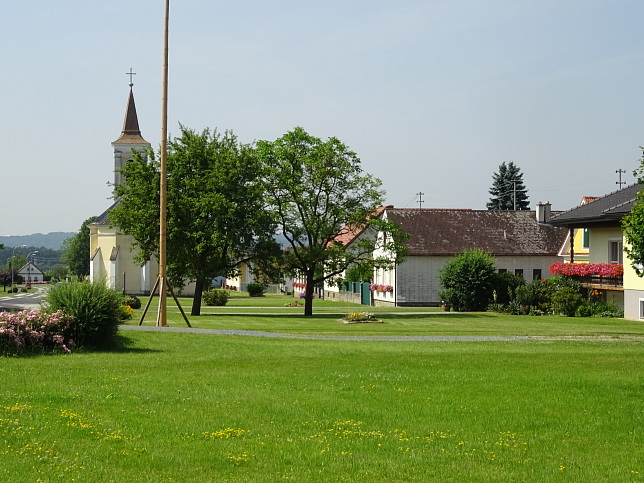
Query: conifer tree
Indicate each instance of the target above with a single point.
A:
(508, 191)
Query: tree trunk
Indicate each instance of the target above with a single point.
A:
(196, 301)
(308, 295)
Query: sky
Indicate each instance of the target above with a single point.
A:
(433, 95)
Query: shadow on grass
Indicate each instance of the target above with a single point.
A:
(432, 315)
(121, 345)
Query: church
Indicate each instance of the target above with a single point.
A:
(111, 251)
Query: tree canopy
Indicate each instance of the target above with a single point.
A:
(322, 198)
(633, 226)
(508, 191)
(76, 251)
(468, 280)
(216, 216)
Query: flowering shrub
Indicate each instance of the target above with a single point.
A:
(582, 269)
(95, 308)
(299, 285)
(374, 287)
(32, 331)
(359, 317)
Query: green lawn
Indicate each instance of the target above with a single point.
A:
(245, 313)
(194, 408)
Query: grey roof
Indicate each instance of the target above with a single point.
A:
(104, 218)
(605, 210)
(450, 231)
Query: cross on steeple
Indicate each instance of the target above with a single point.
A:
(130, 74)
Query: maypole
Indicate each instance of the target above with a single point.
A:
(163, 203)
(162, 279)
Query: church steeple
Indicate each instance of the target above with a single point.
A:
(131, 134)
(130, 139)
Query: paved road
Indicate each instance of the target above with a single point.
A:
(23, 301)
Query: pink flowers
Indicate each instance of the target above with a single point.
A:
(299, 285)
(33, 330)
(374, 287)
(608, 270)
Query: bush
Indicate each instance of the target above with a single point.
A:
(505, 286)
(584, 311)
(566, 300)
(607, 309)
(133, 301)
(497, 308)
(95, 308)
(256, 289)
(467, 281)
(215, 297)
(32, 331)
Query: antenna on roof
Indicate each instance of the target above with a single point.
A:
(420, 199)
(620, 182)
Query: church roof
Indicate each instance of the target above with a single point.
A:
(131, 133)
(104, 218)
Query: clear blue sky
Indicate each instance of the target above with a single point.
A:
(432, 94)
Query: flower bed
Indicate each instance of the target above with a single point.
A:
(360, 318)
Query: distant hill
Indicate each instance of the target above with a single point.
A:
(53, 240)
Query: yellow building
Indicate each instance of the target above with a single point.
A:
(579, 250)
(602, 219)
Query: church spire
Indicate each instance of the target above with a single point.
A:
(130, 139)
(131, 134)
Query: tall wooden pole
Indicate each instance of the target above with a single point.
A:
(162, 316)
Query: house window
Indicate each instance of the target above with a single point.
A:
(641, 308)
(615, 252)
(519, 272)
(503, 270)
(536, 274)
(585, 240)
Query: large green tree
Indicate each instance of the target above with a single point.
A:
(76, 251)
(216, 217)
(320, 194)
(633, 226)
(508, 191)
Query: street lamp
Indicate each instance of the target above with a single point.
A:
(13, 255)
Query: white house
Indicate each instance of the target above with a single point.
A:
(520, 241)
(31, 273)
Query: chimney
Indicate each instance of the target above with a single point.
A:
(543, 212)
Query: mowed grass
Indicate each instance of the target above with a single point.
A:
(246, 313)
(206, 408)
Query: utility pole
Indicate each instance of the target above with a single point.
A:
(420, 199)
(620, 182)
